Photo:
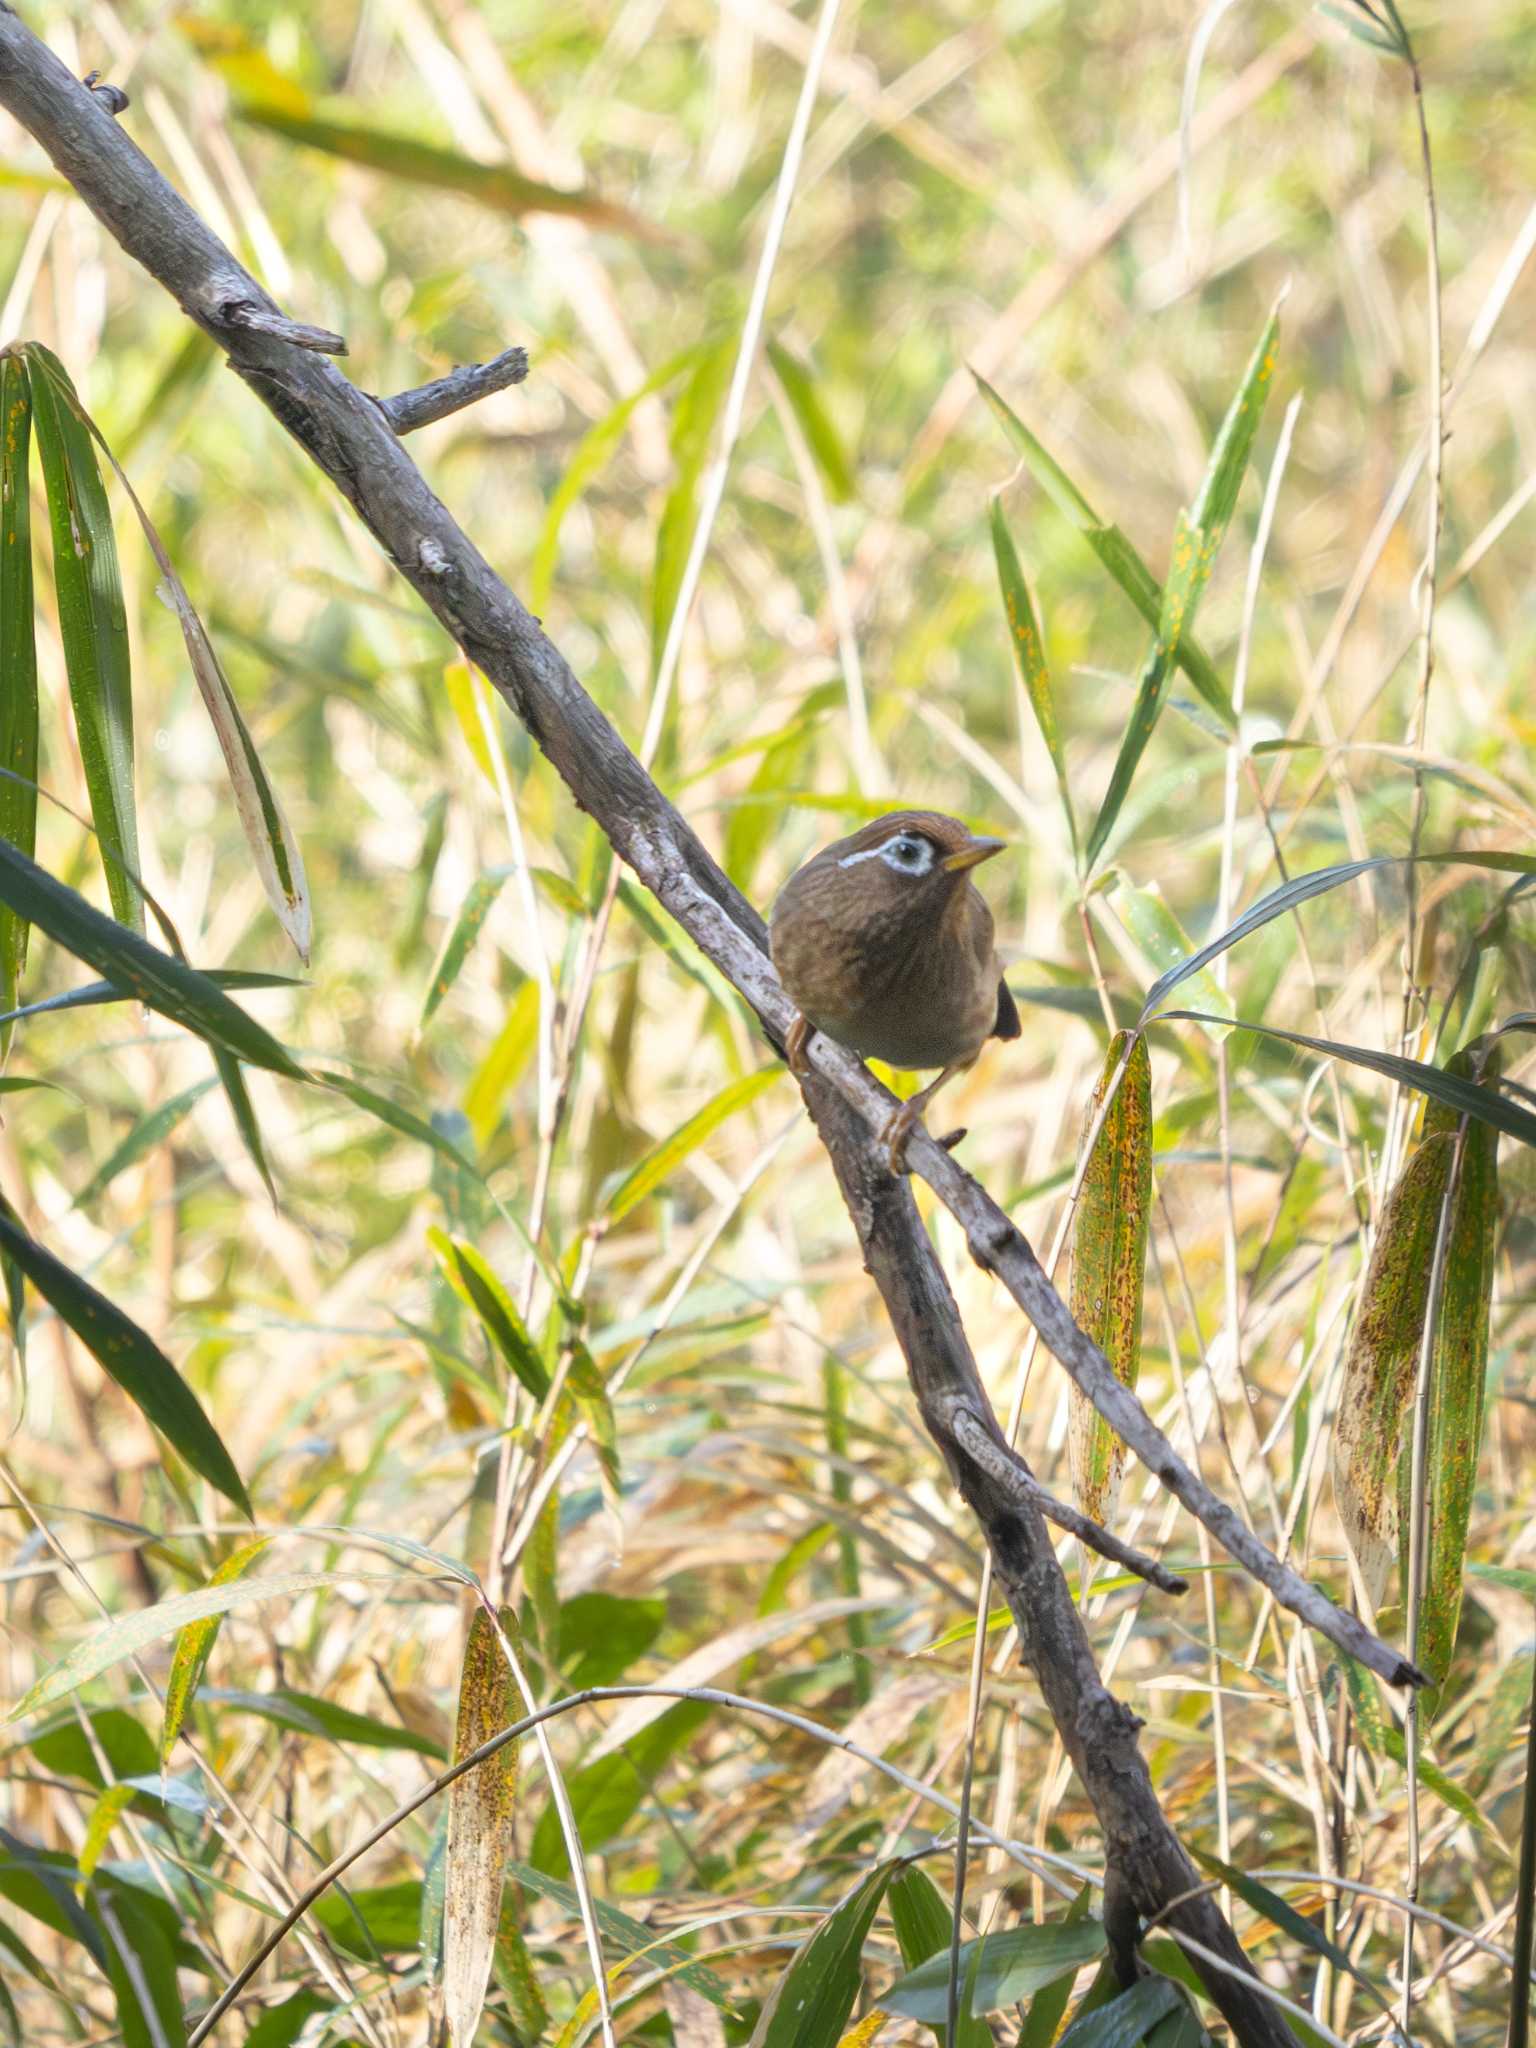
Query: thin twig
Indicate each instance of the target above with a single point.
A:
(462, 387)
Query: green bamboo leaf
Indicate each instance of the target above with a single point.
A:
(498, 186)
(232, 1079)
(623, 1933)
(1012, 1965)
(1302, 887)
(475, 909)
(18, 656)
(92, 623)
(1382, 1362)
(821, 436)
(1458, 1371)
(1482, 1104)
(509, 1055)
(92, 993)
(141, 1966)
(373, 1920)
(119, 1639)
(1284, 1915)
(921, 1915)
(1126, 2019)
(281, 2024)
(405, 1121)
(590, 458)
(605, 1796)
(1196, 546)
(471, 1278)
(1109, 1256)
(481, 1813)
(1048, 2006)
(589, 1391)
(1029, 653)
(149, 1132)
(1163, 943)
(810, 2004)
(194, 1646)
(662, 1160)
(1119, 557)
(137, 968)
(129, 1357)
(306, 1713)
(693, 426)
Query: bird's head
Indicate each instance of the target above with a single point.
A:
(906, 863)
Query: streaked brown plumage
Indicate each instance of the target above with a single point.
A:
(883, 942)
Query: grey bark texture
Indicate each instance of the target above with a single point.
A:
(353, 439)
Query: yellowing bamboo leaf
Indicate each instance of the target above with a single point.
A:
(1109, 1255)
(662, 1160)
(194, 1645)
(481, 1808)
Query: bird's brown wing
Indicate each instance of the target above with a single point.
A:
(1007, 1025)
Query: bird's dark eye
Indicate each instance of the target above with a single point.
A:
(909, 853)
(906, 851)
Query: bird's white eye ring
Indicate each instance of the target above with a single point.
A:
(908, 852)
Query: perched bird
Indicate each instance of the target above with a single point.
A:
(883, 942)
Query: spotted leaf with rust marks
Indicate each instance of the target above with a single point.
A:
(1109, 1256)
(481, 1806)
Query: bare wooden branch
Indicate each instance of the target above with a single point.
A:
(1014, 1476)
(257, 319)
(464, 386)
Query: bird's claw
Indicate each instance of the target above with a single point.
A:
(894, 1135)
(794, 1047)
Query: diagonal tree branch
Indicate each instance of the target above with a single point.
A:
(347, 434)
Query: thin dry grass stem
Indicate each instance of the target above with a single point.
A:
(866, 761)
(741, 376)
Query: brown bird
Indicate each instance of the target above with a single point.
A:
(883, 942)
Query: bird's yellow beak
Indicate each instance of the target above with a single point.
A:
(972, 856)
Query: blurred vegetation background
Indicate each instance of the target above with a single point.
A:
(990, 188)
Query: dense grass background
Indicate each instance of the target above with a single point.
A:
(996, 189)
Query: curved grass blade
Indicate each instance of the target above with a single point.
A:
(1301, 887)
(146, 1134)
(693, 425)
(194, 1646)
(662, 1160)
(307, 1714)
(232, 1080)
(626, 1934)
(481, 1812)
(1124, 565)
(1012, 1965)
(476, 908)
(93, 625)
(1196, 546)
(120, 1638)
(129, 1357)
(1458, 1373)
(821, 436)
(498, 186)
(1109, 1256)
(1380, 1366)
(18, 655)
(810, 2004)
(1284, 1915)
(136, 967)
(93, 992)
(1464, 1096)
(1029, 654)
(477, 1286)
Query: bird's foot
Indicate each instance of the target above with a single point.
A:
(794, 1047)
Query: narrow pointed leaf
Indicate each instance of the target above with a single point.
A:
(1485, 1105)
(1299, 889)
(476, 908)
(141, 1965)
(105, 1815)
(119, 1639)
(135, 966)
(1013, 1965)
(921, 1916)
(810, 2004)
(1284, 1915)
(1127, 2019)
(622, 1932)
(1029, 653)
(92, 993)
(243, 1111)
(1196, 546)
(481, 1811)
(1117, 554)
(146, 1134)
(662, 1161)
(693, 426)
(477, 1286)
(307, 1713)
(821, 436)
(93, 624)
(1109, 1256)
(1162, 941)
(18, 655)
(194, 1646)
(1458, 1372)
(1382, 1361)
(129, 1357)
